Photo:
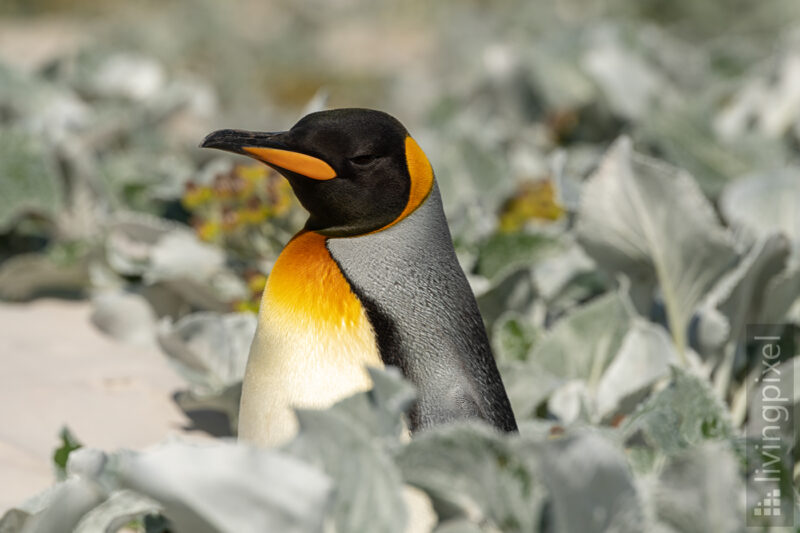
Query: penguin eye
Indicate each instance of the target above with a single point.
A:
(362, 160)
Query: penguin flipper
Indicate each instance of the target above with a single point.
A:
(428, 412)
(460, 398)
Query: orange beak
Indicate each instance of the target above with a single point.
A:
(269, 148)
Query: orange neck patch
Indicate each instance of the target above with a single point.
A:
(306, 283)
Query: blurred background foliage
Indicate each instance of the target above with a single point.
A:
(622, 180)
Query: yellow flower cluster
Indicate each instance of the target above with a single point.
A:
(248, 211)
(195, 197)
(246, 197)
(534, 200)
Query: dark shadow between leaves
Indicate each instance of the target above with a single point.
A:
(215, 423)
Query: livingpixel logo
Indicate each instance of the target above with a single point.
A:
(770, 427)
(770, 505)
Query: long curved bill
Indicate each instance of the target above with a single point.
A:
(269, 148)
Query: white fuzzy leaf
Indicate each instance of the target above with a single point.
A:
(768, 103)
(571, 402)
(23, 276)
(553, 273)
(163, 252)
(583, 343)
(118, 510)
(380, 410)
(684, 414)
(527, 385)
(781, 295)
(701, 491)
(590, 484)
(180, 255)
(67, 503)
(136, 77)
(125, 316)
(766, 204)
(512, 336)
(29, 178)
(649, 220)
(13, 520)
(210, 350)
(226, 487)
(739, 294)
(570, 360)
(643, 358)
(472, 472)
(368, 493)
(130, 239)
(630, 85)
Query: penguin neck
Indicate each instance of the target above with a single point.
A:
(420, 241)
(307, 281)
(426, 222)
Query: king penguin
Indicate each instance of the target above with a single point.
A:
(371, 280)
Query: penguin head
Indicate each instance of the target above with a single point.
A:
(355, 171)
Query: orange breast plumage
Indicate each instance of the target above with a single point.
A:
(307, 282)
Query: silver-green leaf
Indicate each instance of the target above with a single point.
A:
(649, 220)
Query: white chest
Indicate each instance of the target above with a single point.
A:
(297, 363)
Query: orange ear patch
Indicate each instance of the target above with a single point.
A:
(305, 165)
(421, 174)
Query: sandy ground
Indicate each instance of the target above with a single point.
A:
(29, 43)
(56, 369)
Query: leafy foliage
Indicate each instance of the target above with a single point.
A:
(68, 445)
(680, 416)
(28, 180)
(643, 218)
